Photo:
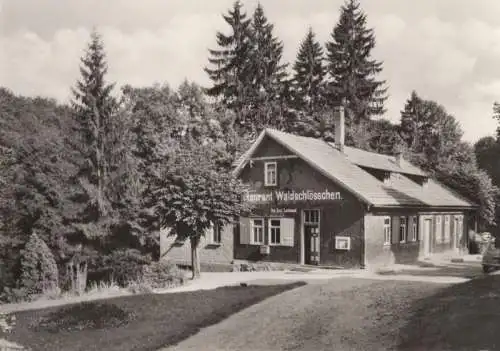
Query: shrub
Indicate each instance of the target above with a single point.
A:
(7, 322)
(162, 274)
(122, 266)
(86, 315)
(39, 271)
(139, 287)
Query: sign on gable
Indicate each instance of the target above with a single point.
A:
(292, 196)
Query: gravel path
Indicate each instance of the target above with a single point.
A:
(340, 314)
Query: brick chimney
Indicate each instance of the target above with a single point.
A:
(339, 124)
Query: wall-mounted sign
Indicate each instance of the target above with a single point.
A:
(290, 196)
(283, 210)
(342, 243)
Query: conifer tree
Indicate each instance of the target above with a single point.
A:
(309, 75)
(229, 69)
(352, 72)
(268, 73)
(94, 106)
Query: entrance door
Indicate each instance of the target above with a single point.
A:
(311, 244)
(427, 236)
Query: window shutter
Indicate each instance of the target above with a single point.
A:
(287, 231)
(245, 230)
(227, 231)
(209, 234)
(395, 229)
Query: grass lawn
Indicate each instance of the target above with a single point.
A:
(461, 317)
(138, 322)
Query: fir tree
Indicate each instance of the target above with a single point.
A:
(94, 106)
(268, 73)
(230, 69)
(351, 70)
(309, 75)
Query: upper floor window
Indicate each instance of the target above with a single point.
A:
(270, 174)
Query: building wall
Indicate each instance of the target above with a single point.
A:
(377, 253)
(339, 217)
(209, 253)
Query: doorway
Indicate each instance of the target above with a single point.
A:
(426, 236)
(311, 244)
(311, 236)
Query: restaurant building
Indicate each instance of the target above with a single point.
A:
(321, 203)
(325, 203)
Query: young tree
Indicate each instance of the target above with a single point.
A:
(38, 267)
(309, 74)
(230, 71)
(194, 190)
(351, 71)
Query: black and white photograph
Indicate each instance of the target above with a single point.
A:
(249, 175)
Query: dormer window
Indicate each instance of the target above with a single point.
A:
(270, 174)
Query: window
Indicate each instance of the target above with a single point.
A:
(447, 228)
(402, 229)
(274, 232)
(215, 234)
(439, 230)
(387, 231)
(270, 178)
(414, 228)
(311, 216)
(257, 231)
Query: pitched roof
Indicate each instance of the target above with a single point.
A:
(345, 170)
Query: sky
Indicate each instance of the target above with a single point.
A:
(446, 50)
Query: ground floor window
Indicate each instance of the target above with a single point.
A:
(215, 233)
(414, 228)
(439, 230)
(447, 230)
(387, 230)
(402, 229)
(274, 231)
(257, 231)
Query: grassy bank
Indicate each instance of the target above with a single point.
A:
(138, 322)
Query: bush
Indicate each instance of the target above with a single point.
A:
(86, 315)
(39, 271)
(123, 266)
(162, 274)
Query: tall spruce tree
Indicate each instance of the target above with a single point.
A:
(94, 108)
(268, 74)
(351, 70)
(229, 69)
(309, 75)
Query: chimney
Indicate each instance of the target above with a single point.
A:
(339, 123)
(399, 158)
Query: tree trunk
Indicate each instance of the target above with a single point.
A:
(195, 260)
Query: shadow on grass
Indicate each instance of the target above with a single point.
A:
(159, 319)
(461, 317)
